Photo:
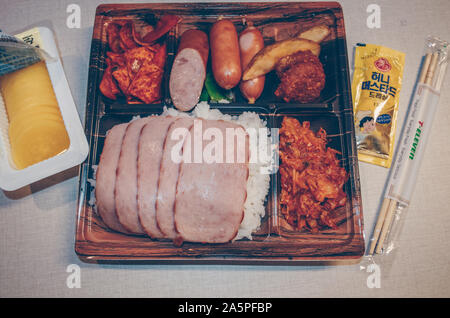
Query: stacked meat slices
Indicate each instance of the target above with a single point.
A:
(154, 179)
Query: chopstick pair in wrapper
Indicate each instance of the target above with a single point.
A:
(411, 146)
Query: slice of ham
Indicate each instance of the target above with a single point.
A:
(126, 180)
(209, 204)
(151, 143)
(106, 178)
(168, 175)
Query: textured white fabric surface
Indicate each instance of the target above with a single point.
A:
(37, 224)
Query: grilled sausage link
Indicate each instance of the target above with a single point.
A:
(225, 55)
(250, 43)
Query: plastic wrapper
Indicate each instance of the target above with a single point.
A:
(411, 148)
(17, 52)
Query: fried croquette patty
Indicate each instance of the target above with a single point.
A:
(302, 77)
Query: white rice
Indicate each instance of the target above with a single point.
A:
(257, 184)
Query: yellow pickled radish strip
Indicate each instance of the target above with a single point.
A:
(35, 113)
(27, 109)
(40, 141)
(36, 127)
(28, 87)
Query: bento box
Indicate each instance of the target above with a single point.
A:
(275, 240)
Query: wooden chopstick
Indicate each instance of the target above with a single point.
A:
(389, 206)
(386, 224)
(379, 225)
(432, 67)
(426, 64)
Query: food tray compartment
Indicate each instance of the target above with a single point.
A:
(99, 49)
(275, 27)
(275, 21)
(96, 241)
(335, 128)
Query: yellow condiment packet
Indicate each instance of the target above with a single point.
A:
(377, 80)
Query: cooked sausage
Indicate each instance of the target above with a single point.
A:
(189, 69)
(250, 43)
(225, 56)
(197, 40)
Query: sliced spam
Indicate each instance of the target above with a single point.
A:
(168, 193)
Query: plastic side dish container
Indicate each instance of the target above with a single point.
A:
(12, 178)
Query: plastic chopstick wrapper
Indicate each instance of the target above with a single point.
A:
(411, 146)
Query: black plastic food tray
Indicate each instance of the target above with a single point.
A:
(332, 111)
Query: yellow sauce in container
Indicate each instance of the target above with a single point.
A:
(36, 127)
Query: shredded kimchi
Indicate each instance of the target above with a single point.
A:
(312, 179)
(135, 65)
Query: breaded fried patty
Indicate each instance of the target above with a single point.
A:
(302, 77)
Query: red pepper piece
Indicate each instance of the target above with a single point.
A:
(107, 86)
(112, 31)
(126, 36)
(115, 59)
(163, 26)
(139, 30)
(160, 56)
